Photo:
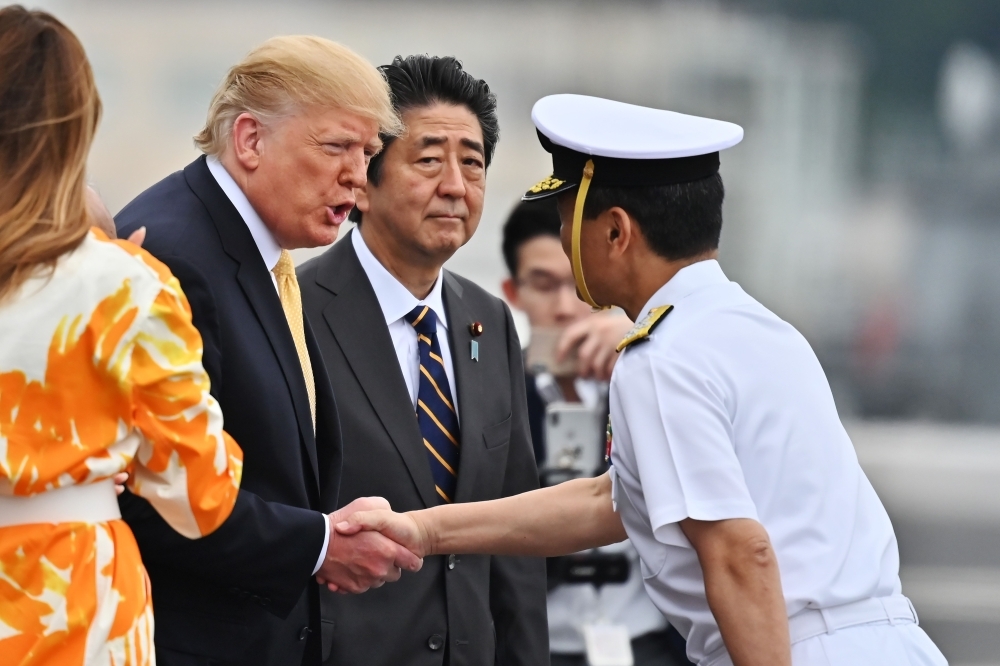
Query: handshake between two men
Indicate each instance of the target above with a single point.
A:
(557, 520)
(361, 560)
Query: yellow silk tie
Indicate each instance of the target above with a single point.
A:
(291, 303)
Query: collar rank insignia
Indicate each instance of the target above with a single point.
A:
(645, 326)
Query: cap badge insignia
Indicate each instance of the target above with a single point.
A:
(645, 326)
(549, 183)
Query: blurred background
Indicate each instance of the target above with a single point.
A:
(863, 206)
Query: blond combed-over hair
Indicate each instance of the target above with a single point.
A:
(289, 73)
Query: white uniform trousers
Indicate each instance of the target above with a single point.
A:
(876, 644)
(881, 644)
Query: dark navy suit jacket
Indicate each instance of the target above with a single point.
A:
(244, 594)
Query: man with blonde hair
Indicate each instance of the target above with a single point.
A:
(287, 141)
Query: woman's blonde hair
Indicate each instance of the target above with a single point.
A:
(285, 74)
(49, 110)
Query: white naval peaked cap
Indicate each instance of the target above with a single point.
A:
(607, 128)
(629, 145)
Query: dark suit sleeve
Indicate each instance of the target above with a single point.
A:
(517, 584)
(264, 549)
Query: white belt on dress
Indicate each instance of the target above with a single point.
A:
(84, 503)
(813, 622)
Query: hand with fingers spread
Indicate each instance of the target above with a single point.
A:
(361, 561)
(595, 339)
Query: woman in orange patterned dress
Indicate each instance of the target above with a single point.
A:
(100, 371)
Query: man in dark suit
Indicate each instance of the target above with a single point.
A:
(426, 367)
(283, 159)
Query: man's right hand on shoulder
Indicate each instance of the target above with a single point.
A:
(365, 560)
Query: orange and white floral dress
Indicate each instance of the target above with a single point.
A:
(100, 371)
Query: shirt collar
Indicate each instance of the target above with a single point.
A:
(685, 282)
(268, 247)
(395, 299)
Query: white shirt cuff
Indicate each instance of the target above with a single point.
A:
(326, 543)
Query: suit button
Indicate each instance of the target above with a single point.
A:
(304, 633)
(435, 642)
(451, 561)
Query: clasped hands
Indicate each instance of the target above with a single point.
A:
(358, 556)
(369, 547)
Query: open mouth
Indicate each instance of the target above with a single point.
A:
(338, 214)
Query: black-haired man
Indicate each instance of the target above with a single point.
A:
(427, 369)
(760, 537)
(541, 285)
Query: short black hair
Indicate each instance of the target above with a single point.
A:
(422, 80)
(678, 221)
(528, 220)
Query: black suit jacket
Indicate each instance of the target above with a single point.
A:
(244, 594)
(477, 610)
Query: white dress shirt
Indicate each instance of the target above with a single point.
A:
(396, 302)
(270, 252)
(725, 412)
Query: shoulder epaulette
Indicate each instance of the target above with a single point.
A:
(645, 326)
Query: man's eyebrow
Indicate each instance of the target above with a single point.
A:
(474, 145)
(346, 139)
(541, 272)
(438, 140)
(432, 141)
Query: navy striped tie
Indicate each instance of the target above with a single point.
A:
(435, 408)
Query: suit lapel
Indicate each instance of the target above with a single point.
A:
(469, 383)
(356, 321)
(255, 280)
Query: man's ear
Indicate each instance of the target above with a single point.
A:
(246, 141)
(620, 230)
(361, 201)
(510, 292)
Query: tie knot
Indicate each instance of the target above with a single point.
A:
(423, 319)
(285, 266)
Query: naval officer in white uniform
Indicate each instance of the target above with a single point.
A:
(760, 537)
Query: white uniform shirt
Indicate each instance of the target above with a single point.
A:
(723, 413)
(396, 302)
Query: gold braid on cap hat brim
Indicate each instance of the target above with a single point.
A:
(581, 197)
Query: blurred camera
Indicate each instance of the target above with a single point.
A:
(575, 444)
